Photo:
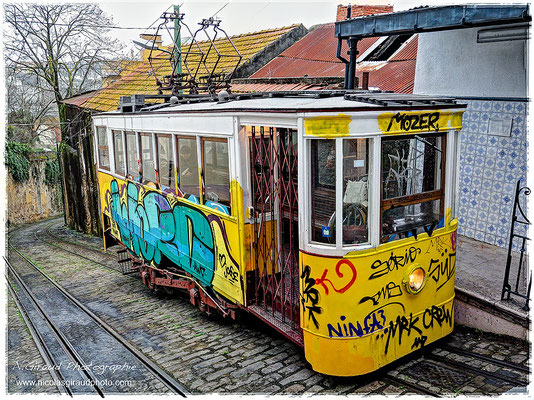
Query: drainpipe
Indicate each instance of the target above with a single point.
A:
(350, 69)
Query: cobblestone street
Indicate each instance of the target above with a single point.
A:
(208, 354)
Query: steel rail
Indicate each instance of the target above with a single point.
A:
(77, 254)
(48, 231)
(398, 381)
(97, 251)
(477, 371)
(47, 357)
(501, 363)
(170, 382)
(70, 350)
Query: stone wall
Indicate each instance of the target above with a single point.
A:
(34, 199)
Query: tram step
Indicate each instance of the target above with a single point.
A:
(282, 327)
(126, 264)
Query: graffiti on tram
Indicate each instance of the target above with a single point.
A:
(156, 227)
(382, 291)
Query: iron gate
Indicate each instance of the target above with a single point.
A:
(518, 217)
(273, 155)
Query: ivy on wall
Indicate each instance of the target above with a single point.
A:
(17, 161)
(52, 172)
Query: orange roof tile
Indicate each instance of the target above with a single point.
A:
(140, 78)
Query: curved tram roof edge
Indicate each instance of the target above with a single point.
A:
(287, 102)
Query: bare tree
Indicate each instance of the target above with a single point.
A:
(28, 106)
(62, 45)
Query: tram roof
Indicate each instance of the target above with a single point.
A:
(282, 102)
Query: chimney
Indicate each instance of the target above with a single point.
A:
(156, 39)
(361, 10)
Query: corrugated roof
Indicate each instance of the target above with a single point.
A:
(272, 87)
(318, 46)
(141, 80)
(315, 56)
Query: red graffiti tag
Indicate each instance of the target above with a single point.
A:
(321, 281)
(454, 236)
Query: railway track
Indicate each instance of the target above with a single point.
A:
(465, 367)
(66, 343)
(75, 249)
(501, 363)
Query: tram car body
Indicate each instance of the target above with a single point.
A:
(332, 218)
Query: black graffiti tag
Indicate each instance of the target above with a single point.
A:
(387, 292)
(412, 122)
(439, 269)
(394, 262)
(310, 295)
(437, 314)
(229, 272)
(402, 326)
(406, 326)
(419, 341)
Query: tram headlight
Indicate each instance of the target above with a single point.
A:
(414, 279)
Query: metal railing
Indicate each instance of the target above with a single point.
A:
(518, 217)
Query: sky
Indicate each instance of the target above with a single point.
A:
(239, 16)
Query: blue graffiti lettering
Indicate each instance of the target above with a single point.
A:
(152, 228)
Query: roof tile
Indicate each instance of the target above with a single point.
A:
(140, 78)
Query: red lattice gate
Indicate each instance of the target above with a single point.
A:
(273, 155)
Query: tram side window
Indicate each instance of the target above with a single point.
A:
(216, 170)
(165, 161)
(118, 152)
(412, 188)
(323, 191)
(131, 155)
(147, 158)
(188, 167)
(355, 190)
(103, 148)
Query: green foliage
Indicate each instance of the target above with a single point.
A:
(22, 130)
(52, 172)
(17, 161)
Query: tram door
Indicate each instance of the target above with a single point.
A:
(273, 155)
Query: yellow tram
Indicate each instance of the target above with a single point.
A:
(331, 216)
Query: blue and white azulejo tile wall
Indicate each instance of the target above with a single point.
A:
(493, 156)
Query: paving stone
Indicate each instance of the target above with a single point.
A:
(271, 368)
(220, 373)
(296, 377)
(296, 388)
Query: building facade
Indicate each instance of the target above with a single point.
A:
(487, 68)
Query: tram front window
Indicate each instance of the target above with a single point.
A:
(323, 191)
(412, 190)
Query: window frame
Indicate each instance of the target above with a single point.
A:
(202, 140)
(402, 201)
(177, 160)
(137, 157)
(158, 179)
(151, 135)
(115, 158)
(99, 147)
(374, 142)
